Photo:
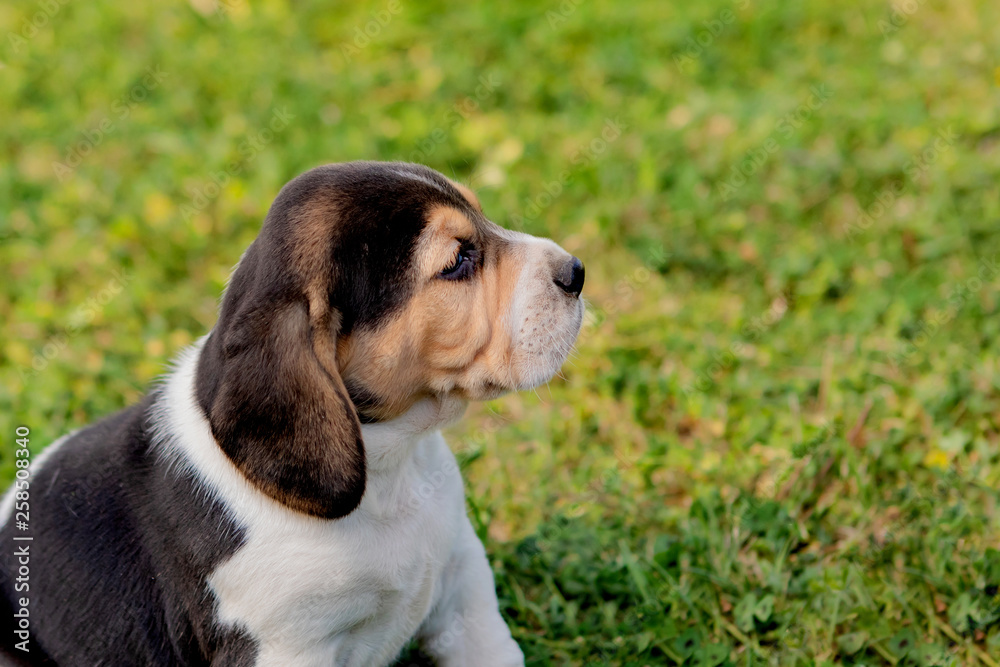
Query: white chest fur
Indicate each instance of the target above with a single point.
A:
(350, 591)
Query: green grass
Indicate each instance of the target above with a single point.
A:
(777, 441)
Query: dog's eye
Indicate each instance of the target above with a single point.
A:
(463, 265)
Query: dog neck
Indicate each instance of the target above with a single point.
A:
(388, 444)
(392, 449)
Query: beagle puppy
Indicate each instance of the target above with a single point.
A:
(284, 496)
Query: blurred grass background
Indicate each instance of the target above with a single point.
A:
(777, 442)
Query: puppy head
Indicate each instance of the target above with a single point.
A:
(370, 287)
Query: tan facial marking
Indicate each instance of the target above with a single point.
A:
(469, 195)
(451, 335)
(440, 239)
(504, 327)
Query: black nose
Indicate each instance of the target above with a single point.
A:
(570, 277)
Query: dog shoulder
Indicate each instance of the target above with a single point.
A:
(124, 535)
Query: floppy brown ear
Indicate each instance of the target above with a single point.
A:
(269, 384)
